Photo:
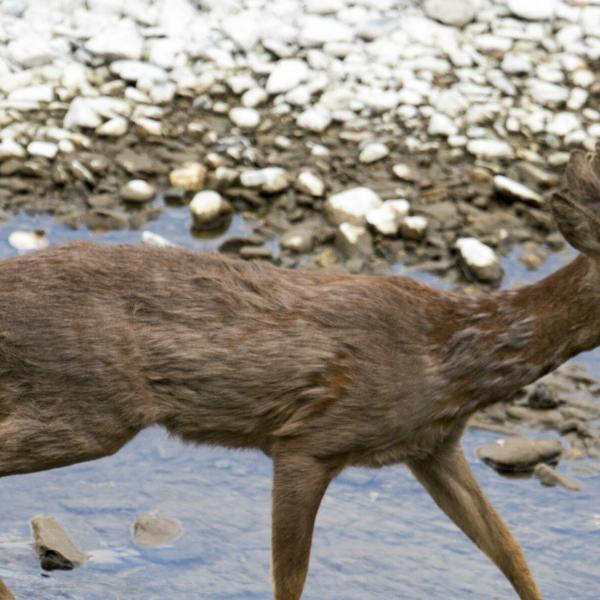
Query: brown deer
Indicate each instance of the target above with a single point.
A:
(320, 371)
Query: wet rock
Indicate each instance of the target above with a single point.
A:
(516, 191)
(353, 240)
(451, 12)
(256, 253)
(520, 455)
(551, 419)
(299, 238)
(151, 530)
(373, 152)
(55, 548)
(386, 218)
(105, 219)
(190, 177)
(479, 260)
(414, 227)
(137, 190)
(351, 206)
(26, 241)
(551, 477)
(135, 163)
(209, 209)
(543, 397)
(149, 238)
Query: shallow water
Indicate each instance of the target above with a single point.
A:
(378, 534)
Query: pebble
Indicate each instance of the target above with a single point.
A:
(190, 177)
(115, 127)
(208, 209)
(520, 455)
(533, 10)
(151, 530)
(353, 240)
(384, 219)
(551, 477)
(245, 118)
(54, 547)
(11, 149)
(43, 149)
(314, 119)
(563, 123)
(26, 241)
(117, 42)
(479, 259)
(270, 179)
(451, 12)
(137, 190)
(254, 97)
(310, 183)
(351, 205)
(440, 124)
(490, 149)
(405, 172)
(135, 70)
(414, 227)
(81, 114)
(286, 75)
(373, 152)
(516, 191)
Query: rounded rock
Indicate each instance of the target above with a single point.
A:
(137, 190)
(209, 209)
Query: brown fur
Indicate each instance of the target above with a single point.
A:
(319, 371)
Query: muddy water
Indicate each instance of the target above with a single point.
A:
(378, 536)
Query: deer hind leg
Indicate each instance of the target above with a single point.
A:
(450, 482)
(298, 486)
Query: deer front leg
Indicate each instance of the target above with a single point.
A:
(298, 487)
(451, 483)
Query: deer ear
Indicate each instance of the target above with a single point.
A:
(578, 224)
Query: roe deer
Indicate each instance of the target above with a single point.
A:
(320, 371)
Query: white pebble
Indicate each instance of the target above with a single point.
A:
(314, 119)
(373, 152)
(28, 240)
(245, 118)
(309, 182)
(116, 127)
(44, 149)
(352, 205)
(137, 190)
(208, 208)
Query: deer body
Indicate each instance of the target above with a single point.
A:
(319, 371)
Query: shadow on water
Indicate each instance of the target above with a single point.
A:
(378, 534)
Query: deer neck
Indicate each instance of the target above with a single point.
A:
(504, 341)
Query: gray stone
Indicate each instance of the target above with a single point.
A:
(151, 530)
(55, 548)
(551, 477)
(520, 455)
